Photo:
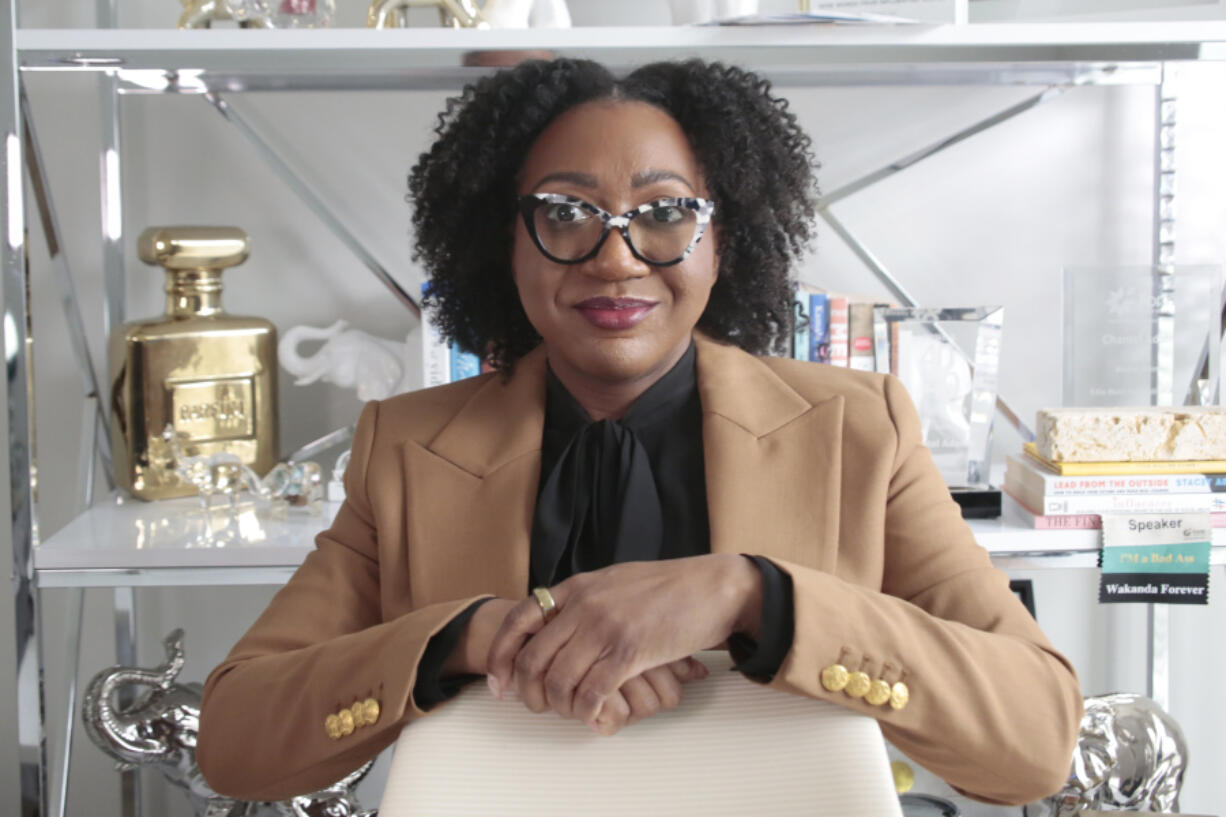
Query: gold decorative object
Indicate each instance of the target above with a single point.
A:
(210, 375)
(203, 13)
(452, 13)
(904, 776)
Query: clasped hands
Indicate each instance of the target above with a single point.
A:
(623, 641)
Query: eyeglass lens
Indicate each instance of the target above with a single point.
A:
(660, 234)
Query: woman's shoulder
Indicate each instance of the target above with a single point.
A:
(870, 399)
(876, 406)
(421, 414)
(821, 381)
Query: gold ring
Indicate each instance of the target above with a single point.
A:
(544, 598)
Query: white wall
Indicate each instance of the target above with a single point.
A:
(991, 221)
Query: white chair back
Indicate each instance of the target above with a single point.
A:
(732, 747)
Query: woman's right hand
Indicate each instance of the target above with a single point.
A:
(655, 690)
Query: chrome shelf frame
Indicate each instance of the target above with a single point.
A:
(423, 50)
(216, 63)
(276, 575)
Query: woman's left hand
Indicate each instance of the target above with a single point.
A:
(614, 624)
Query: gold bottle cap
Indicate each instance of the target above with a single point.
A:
(193, 248)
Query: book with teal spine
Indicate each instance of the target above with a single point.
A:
(800, 321)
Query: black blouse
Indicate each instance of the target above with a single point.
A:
(623, 490)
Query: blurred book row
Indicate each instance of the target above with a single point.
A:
(948, 358)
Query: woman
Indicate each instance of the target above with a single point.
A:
(618, 248)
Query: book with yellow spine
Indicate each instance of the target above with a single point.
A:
(1076, 469)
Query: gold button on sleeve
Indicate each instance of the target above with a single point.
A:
(899, 695)
(370, 708)
(346, 719)
(358, 713)
(834, 677)
(332, 725)
(857, 685)
(878, 692)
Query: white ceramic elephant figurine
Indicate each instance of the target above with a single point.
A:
(349, 358)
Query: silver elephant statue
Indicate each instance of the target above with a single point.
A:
(159, 729)
(349, 358)
(1131, 755)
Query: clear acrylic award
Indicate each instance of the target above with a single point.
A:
(1140, 336)
(949, 360)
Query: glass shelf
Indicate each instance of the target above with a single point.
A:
(132, 543)
(195, 61)
(122, 542)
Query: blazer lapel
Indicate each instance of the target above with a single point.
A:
(471, 493)
(773, 460)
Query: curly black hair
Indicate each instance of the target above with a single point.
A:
(756, 159)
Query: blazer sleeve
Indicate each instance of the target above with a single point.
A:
(993, 709)
(320, 647)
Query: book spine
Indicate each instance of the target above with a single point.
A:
(1126, 468)
(860, 337)
(819, 328)
(881, 340)
(894, 344)
(800, 323)
(1077, 521)
(1131, 503)
(436, 357)
(1017, 511)
(1083, 521)
(1054, 485)
(838, 331)
(463, 364)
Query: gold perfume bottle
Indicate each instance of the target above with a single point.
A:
(211, 375)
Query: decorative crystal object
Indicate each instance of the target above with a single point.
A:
(303, 13)
(246, 13)
(949, 360)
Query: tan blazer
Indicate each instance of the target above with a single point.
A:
(818, 468)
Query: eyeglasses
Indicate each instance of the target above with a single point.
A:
(568, 230)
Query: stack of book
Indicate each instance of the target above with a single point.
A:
(1051, 495)
(839, 330)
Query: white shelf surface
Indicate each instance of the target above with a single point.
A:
(129, 542)
(392, 50)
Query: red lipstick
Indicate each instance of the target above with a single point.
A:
(615, 313)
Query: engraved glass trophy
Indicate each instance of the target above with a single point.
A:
(1141, 336)
(949, 360)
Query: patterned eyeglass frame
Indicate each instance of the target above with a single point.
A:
(703, 210)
